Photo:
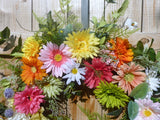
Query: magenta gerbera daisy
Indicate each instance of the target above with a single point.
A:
(96, 72)
(56, 58)
(29, 100)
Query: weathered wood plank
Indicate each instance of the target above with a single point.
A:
(151, 16)
(42, 7)
(76, 8)
(91, 104)
(96, 9)
(12, 11)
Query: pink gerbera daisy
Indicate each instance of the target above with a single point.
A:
(29, 100)
(129, 76)
(55, 58)
(96, 72)
(148, 110)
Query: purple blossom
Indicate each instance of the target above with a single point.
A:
(8, 93)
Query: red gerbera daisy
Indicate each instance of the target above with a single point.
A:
(96, 72)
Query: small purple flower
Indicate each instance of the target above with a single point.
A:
(8, 113)
(8, 93)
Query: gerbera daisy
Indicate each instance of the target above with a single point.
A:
(153, 81)
(82, 44)
(29, 100)
(31, 47)
(75, 74)
(56, 59)
(122, 50)
(96, 72)
(148, 110)
(32, 70)
(129, 76)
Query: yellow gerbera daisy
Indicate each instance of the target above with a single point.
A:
(30, 47)
(82, 44)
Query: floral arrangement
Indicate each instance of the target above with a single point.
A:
(63, 61)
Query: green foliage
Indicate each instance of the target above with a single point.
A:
(132, 110)
(115, 113)
(146, 56)
(93, 115)
(15, 68)
(10, 41)
(110, 1)
(65, 16)
(2, 109)
(125, 116)
(110, 29)
(51, 86)
(140, 91)
(110, 95)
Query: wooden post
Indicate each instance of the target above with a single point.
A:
(85, 13)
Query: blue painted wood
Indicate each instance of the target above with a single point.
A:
(85, 13)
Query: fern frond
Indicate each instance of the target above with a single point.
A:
(110, 95)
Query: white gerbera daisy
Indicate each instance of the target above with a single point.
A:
(75, 74)
(129, 24)
(148, 110)
(153, 81)
(19, 116)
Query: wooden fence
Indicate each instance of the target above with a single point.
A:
(145, 12)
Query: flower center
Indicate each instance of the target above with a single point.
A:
(129, 77)
(29, 98)
(132, 24)
(81, 45)
(147, 112)
(33, 69)
(74, 71)
(58, 57)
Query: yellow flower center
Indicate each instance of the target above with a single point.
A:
(58, 57)
(33, 69)
(129, 77)
(132, 24)
(81, 45)
(74, 71)
(147, 112)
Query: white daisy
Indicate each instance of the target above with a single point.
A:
(75, 74)
(129, 24)
(148, 110)
(153, 81)
(19, 116)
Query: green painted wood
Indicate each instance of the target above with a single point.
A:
(85, 13)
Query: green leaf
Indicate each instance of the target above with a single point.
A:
(5, 33)
(151, 54)
(158, 56)
(17, 54)
(140, 91)
(10, 43)
(116, 113)
(132, 110)
(110, 1)
(102, 40)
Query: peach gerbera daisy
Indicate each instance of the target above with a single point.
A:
(31, 47)
(129, 76)
(32, 70)
(122, 50)
(83, 45)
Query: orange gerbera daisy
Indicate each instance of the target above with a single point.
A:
(122, 50)
(32, 70)
(129, 76)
